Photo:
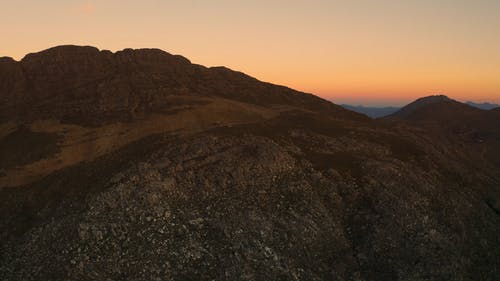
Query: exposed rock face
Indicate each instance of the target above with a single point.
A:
(86, 86)
(250, 182)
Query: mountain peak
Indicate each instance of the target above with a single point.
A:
(430, 107)
(6, 60)
(433, 99)
(62, 52)
(78, 54)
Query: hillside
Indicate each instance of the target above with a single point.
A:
(139, 165)
(91, 102)
(434, 108)
(478, 130)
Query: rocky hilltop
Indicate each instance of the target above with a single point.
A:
(139, 165)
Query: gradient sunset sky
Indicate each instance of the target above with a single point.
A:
(360, 52)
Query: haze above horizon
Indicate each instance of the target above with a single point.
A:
(356, 52)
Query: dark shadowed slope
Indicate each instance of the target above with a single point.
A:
(139, 165)
(448, 115)
(434, 108)
(477, 129)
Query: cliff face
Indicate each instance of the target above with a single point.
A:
(140, 165)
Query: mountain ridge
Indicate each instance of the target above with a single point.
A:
(173, 75)
(383, 111)
(172, 171)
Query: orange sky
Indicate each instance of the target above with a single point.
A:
(371, 52)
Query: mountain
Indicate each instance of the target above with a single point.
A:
(67, 83)
(373, 112)
(377, 112)
(478, 129)
(139, 165)
(484, 105)
(91, 92)
(441, 110)
(431, 107)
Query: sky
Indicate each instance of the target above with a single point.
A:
(371, 52)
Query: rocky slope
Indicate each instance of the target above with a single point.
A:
(190, 173)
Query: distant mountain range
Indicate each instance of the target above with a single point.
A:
(377, 112)
(373, 112)
(484, 105)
